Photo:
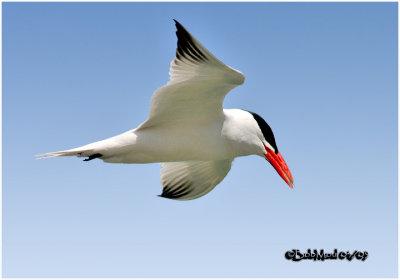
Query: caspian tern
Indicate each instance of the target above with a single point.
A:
(188, 131)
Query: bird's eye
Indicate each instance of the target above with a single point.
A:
(266, 131)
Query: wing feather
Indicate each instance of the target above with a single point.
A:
(197, 87)
(187, 180)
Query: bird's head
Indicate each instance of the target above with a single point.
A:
(270, 150)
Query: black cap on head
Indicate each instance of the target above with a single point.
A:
(266, 130)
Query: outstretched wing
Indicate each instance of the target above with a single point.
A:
(197, 87)
(187, 180)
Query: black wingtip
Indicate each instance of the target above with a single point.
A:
(164, 196)
(177, 22)
(186, 47)
(176, 192)
(180, 28)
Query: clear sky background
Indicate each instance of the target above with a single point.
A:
(324, 76)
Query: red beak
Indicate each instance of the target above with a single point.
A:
(276, 160)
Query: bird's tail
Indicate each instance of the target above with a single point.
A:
(101, 149)
(79, 152)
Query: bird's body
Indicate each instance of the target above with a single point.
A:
(224, 138)
(188, 131)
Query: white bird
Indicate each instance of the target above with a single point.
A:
(188, 131)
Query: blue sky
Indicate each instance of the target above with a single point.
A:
(324, 76)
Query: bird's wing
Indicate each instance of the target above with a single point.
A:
(187, 180)
(197, 87)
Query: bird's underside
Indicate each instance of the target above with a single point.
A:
(187, 130)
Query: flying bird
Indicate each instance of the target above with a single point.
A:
(188, 131)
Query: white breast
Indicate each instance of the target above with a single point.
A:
(233, 135)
